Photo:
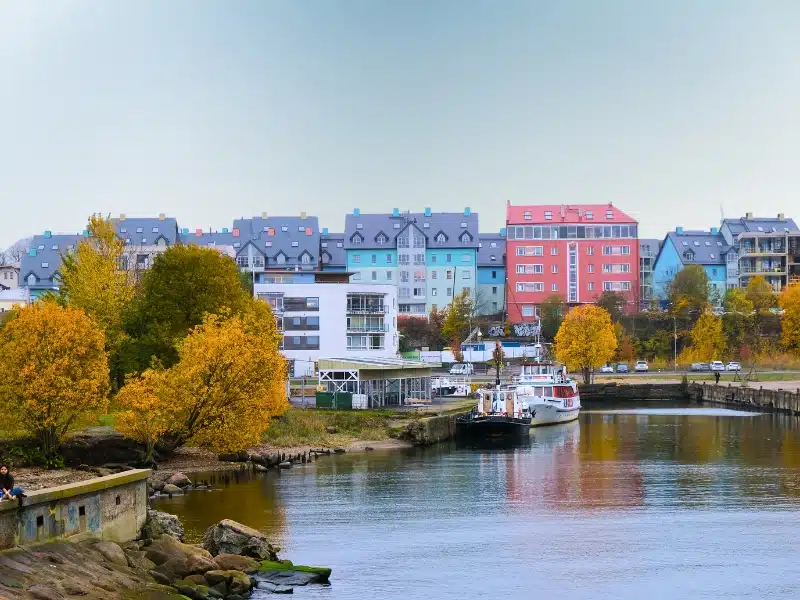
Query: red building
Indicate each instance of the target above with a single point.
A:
(575, 251)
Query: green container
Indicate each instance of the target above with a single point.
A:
(324, 400)
(339, 400)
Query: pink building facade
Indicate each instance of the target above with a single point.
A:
(574, 251)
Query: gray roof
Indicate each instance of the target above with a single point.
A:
(766, 225)
(708, 248)
(146, 231)
(448, 223)
(489, 256)
(46, 249)
(337, 253)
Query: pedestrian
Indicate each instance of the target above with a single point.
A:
(716, 377)
(9, 492)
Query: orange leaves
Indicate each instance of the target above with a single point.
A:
(586, 338)
(790, 320)
(53, 368)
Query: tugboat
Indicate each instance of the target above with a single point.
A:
(500, 413)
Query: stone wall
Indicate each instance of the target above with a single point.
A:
(782, 401)
(598, 392)
(431, 430)
(111, 508)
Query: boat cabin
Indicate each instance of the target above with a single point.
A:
(542, 372)
(504, 402)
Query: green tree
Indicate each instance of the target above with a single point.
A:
(613, 303)
(184, 284)
(551, 313)
(688, 291)
(457, 319)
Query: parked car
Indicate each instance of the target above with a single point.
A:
(641, 366)
(606, 369)
(462, 369)
(622, 368)
(734, 366)
(717, 365)
(699, 366)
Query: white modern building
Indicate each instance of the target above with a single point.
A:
(321, 314)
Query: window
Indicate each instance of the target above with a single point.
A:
(494, 274)
(45, 265)
(609, 214)
(396, 225)
(530, 269)
(708, 243)
(374, 276)
(374, 259)
(719, 244)
(404, 292)
(433, 259)
(590, 250)
(295, 244)
(616, 286)
(448, 274)
(404, 276)
(419, 292)
(465, 238)
(355, 277)
(123, 230)
(449, 292)
(684, 243)
(388, 275)
(530, 250)
(381, 240)
(589, 215)
(339, 244)
(356, 239)
(528, 310)
(359, 226)
(466, 275)
(388, 259)
(139, 230)
(323, 244)
(713, 271)
(403, 258)
(712, 256)
(617, 268)
(527, 215)
(696, 243)
(591, 286)
(591, 268)
(494, 307)
(530, 287)
(553, 251)
(493, 244)
(548, 216)
(441, 238)
(426, 225)
(555, 287)
(356, 258)
(554, 268)
(433, 291)
(305, 259)
(463, 224)
(434, 275)
(494, 290)
(449, 258)
(242, 261)
(280, 259)
(419, 259)
(465, 258)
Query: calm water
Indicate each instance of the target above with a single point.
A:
(623, 504)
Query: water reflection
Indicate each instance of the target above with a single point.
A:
(651, 499)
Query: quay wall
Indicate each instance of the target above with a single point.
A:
(112, 508)
(611, 391)
(431, 430)
(781, 401)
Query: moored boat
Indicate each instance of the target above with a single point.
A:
(551, 396)
(500, 412)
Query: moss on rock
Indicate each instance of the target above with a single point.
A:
(285, 565)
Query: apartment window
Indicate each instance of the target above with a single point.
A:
(426, 225)
(433, 259)
(434, 275)
(355, 277)
(123, 230)
(463, 224)
(374, 276)
(449, 292)
(404, 276)
(448, 274)
(494, 274)
(403, 258)
(465, 258)
(305, 259)
(590, 250)
(285, 228)
(404, 292)
(554, 268)
(242, 261)
(553, 251)
(555, 287)
(530, 269)
(494, 290)
(527, 215)
(139, 230)
(339, 244)
(388, 259)
(356, 240)
(548, 215)
(419, 259)
(433, 291)
(528, 310)
(616, 286)
(591, 286)
(449, 258)
(356, 258)
(591, 268)
(466, 275)
(617, 268)
(396, 225)
(374, 259)
(536, 286)
(419, 291)
(530, 250)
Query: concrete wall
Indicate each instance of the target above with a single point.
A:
(112, 508)
(431, 430)
(754, 397)
(599, 392)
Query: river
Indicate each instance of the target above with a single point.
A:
(654, 502)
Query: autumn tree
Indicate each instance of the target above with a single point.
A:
(625, 349)
(761, 295)
(790, 320)
(144, 410)
(184, 284)
(708, 339)
(94, 280)
(436, 339)
(613, 303)
(551, 313)
(226, 386)
(586, 339)
(53, 371)
(688, 291)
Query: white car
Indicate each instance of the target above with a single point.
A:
(641, 366)
(606, 369)
(734, 366)
(462, 369)
(717, 365)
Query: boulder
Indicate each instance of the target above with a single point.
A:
(138, 560)
(180, 480)
(230, 537)
(197, 564)
(112, 552)
(196, 579)
(331, 429)
(239, 583)
(176, 549)
(295, 578)
(164, 523)
(157, 484)
(160, 576)
(42, 592)
(260, 468)
(156, 556)
(172, 490)
(102, 471)
(192, 591)
(275, 589)
(214, 578)
(285, 465)
(234, 562)
(176, 566)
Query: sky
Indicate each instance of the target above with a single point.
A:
(675, 111)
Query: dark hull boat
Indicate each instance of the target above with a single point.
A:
(492, 426)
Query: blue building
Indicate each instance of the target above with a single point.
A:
(681, 248)
(491, 290)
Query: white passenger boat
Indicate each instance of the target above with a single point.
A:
(551, 396)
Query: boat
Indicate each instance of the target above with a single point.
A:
(551, 395)
(500, 413)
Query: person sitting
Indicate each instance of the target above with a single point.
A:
(9, 492)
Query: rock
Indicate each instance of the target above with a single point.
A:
(239, 583)
(339, 450)
(230, 537)
(160, 577)
(275, 589)
(197, 564)
(180, 480)
(102, 471)
(221, 587)
(156, 556)
(177, 566)
(285, 465)
(260, 468)
(214, 578)
(234, 562)
(192, 591)
(74, 588)
(368, 448)
(157, 485)
(285, 573)
(331, 429)
(235, 597)
(132, 546)
(42, 592)
(169, 545)
(164, 523)
(112, 552)
(138, 560)
(171, 489)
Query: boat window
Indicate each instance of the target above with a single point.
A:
(538, 391)
(548, 391)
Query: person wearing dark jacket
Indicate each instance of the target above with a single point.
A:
(9, 492)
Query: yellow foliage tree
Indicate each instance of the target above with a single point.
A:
(53, 371)
(586, 339)
(708, 339)
(228, 383)
(144, 410)
(95, 279)
(790, 320)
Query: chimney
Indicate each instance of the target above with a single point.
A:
(428, 211)
(324, 231)
(161, 216)
(198, 232)
(748, 215)
(395, 212)
(563, 211)
(679, 230)
(356, 212)
(467, 211)
(122, 217)
(502, 232)
(264, 215)
(48, 234)
(781, 217)
(303, 215)
(224, 230)
(714, 231)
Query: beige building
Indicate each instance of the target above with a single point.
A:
(11, 298)
(9, 277)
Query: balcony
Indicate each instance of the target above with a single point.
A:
(763, 250)
(368, 310)
(384, 328)
(762, 270)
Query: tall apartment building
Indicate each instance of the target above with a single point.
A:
(491, 291)
(574, 251)
(321, 314)
(430, 257)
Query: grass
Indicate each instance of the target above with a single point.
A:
(307, 426)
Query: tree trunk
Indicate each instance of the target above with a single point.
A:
(587, 375)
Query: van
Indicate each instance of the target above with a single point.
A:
(462, 369)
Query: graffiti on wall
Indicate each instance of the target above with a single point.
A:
(497, 331)
(527, 329)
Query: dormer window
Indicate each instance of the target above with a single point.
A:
(31, 279)
(689, 255)
(609, 214)
(295, 244)
(356, 238)
(527, 215)
(280, 259)
(305, 259)
(548, 215)
(589, 215)
(381, 239)
(466, 238)
(284, 228)
(441, 238)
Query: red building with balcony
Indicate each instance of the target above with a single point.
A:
(575, 251)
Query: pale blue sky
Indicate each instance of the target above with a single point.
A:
(210, 110)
